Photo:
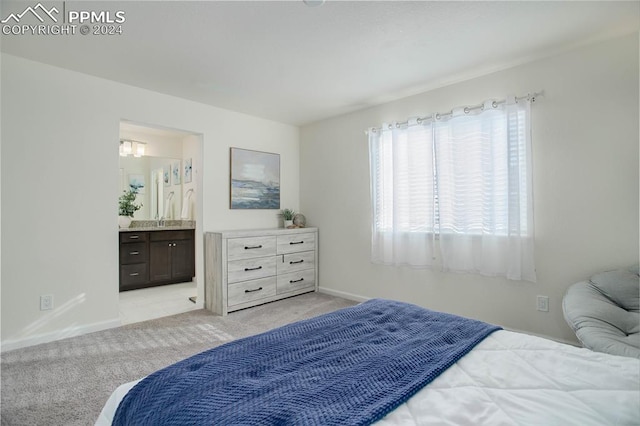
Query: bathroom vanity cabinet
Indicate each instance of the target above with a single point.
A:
(157, 257)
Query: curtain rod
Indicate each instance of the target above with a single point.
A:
(437, 116)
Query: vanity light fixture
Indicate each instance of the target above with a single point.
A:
(139, 152)
(125, 148)
(131, 147)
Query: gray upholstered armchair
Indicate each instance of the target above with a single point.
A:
(604, 312)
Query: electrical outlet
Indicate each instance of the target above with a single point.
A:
(46, 302)
(543, 303)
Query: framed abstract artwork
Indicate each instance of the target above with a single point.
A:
(175, 173)
(136, 182)
(166, 174)
(187, 170)
(255, 179)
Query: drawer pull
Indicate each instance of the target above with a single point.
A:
(296, 242)
(252, 269)
(134, 237)
(296, 281)
(296, 261)
(252, 247)
(134, 274)
(134, 252)
(251, 291)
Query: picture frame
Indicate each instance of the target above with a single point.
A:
(137, 182)
(176, 173)
(166, 174)
(187, 170)
(254, 179)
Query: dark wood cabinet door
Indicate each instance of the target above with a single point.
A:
(182, 259)
(160, 260)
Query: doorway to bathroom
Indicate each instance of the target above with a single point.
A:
(161, 167)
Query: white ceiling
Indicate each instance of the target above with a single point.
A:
(297, 64)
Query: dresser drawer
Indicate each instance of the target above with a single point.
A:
(133, 237)
(248, 291)
(296, 262)
(133, 274)
(133, 253)
(250, 269)
(244, 248)
(296, 281)
(296, 242)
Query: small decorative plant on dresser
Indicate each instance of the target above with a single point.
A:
(287, 215)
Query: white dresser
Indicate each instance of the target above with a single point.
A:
(245, 268)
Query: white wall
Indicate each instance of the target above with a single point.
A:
(60, 139)
(585, 148)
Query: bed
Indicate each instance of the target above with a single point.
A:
(389, 363)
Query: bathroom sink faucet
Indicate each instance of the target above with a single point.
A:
(161, 222)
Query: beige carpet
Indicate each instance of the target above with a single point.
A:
(68, 381)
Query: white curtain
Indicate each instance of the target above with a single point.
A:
(464, 179)
(402, 195)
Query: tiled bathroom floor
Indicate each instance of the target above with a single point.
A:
(156, 302)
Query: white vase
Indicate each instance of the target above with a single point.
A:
(288, 223)
(124, 221)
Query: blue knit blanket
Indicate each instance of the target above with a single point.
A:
(349, 367)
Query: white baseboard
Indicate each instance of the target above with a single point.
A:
(343, 294)
(11, 344)
(8, 345)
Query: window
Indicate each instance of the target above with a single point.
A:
(464, 177)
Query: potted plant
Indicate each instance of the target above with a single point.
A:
(127, 207)
(287, 215)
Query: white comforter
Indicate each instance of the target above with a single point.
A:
(514, 379)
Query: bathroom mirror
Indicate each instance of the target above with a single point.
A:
(159, 182)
